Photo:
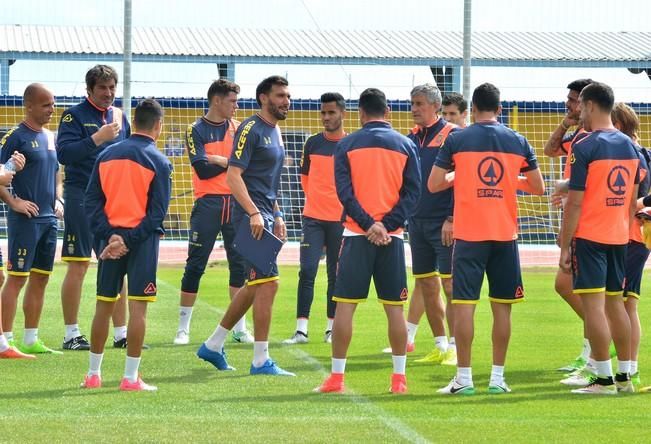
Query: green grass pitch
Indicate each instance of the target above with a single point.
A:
(40, 401)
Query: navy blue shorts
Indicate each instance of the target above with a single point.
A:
(636, 256)
(360, 260)
(139, 265)
(501, 263)
(211, 215)
(78, 240)
(32, 244)
(429, 257)
(255, 276)
(598, 267)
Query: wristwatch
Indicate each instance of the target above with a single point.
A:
(449, 219)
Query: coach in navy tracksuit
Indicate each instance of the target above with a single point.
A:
(85, 131)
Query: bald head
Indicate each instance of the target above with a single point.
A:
(33, 91)
(39, 104)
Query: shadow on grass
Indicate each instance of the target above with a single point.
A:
(228, 345)
(195, 376)
(382, 399)
(109, 388)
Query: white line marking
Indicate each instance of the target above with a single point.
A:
(364, 403)
(371, 408)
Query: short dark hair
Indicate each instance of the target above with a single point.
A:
(373, 102)
(599, 93)
(222, 88)
(579, 84)
(334, 97)
(147, 113)
(100, 73)
(455, 98)
(265, 86)
(486, 97)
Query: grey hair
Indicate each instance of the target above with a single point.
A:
(429, 91)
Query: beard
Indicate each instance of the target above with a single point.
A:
(277, 112)
(333, 126)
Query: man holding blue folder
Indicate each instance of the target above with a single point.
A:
(254, 176)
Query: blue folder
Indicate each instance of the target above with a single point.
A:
(260, 253)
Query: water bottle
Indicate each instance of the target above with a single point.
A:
(10, 166)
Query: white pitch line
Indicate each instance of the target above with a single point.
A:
(371, 408)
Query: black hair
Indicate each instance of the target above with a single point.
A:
(455, 98)
(486, 97)
(147, 113)
(599, 93)
(579, 84)
(373, 102)
(330, 97)
(265, 86)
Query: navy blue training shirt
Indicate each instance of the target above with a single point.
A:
(258, 149)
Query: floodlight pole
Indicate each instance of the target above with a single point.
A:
(127, 58)
(467, 41)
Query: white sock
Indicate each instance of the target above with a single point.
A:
(131, 368)
(623, 366)
(260, 353)
(240, 326)
(452, 344)
(301, 325)
(604, 368)
(411, 332)
(4, 344)
(95, 363)
(497, 375)
(9, 335)
(216, 341)
(441, 342)
(119, 332)
(585, 353)
(31, 336)
(72, 331)
(185, 316)
(633, 367)
(464, 375)
(338, 365)
(399, 364)
(329, 324)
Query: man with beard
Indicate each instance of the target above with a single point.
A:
(254, 176)
(602, 199)
(560, 143)
(321, 214)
